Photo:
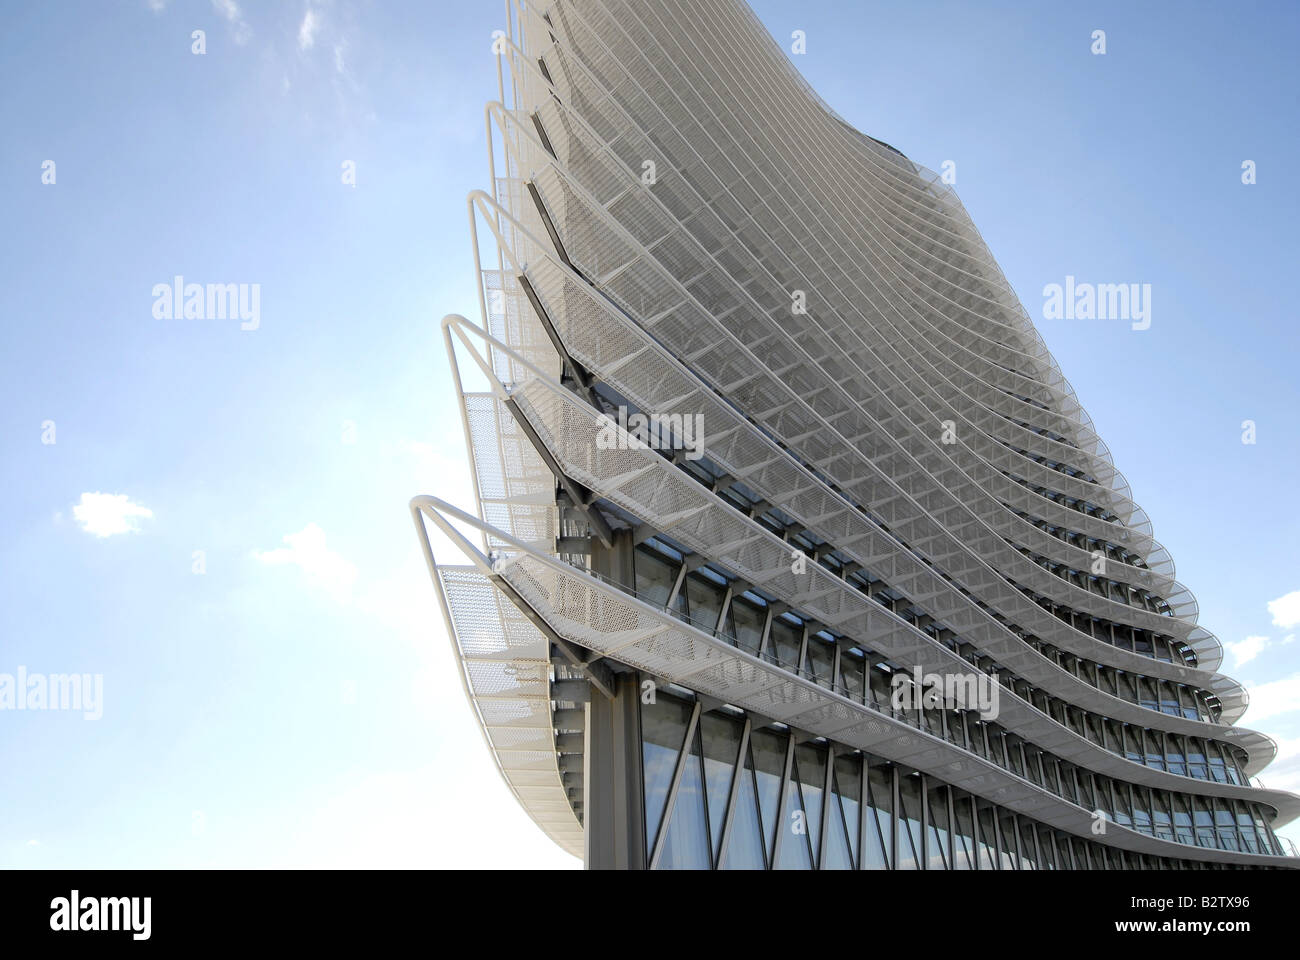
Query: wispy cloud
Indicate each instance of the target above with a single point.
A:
(1274, 698)
(157, 6)
(307, 549)
(229, 10)
(1244, 651)
(307, 29)
(106, 514)
(1286, 610)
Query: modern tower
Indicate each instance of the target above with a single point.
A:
(794, 549)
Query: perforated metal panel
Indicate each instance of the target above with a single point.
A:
(676, 292)
(506, 663)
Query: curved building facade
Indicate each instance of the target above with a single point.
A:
(793, 546)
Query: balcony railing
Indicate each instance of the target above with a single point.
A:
(916, 718)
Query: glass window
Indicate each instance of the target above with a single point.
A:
(747, 624)
(1169, 699)
(821, 659)
(1015, 754)
(1202, 708)
(1128, 736)
(997, 746)
(1265, 834)
(663, 730)
(852, 675)
(1046, 848)
(1075, 716)
(964, 838)
(745, 849)
(1218, 770)
(836, 854)
(1123, 804)
(1028, 851)
(1007, 832)
(1067, 782)
(655, 579)
(1080, 850)
(1094, 732)
(1246, 827)
(988, 837)
(1163, 822)
(784, 644)
(1050, 773)
(1141, 810)
(1234, 765)
(936, 851)
(704, 601)
(1196, 765)
(1147, 694)
(769, 767)
(956, 729)
(880, 688)
(878, 852)
(1174, 744)
(721, 745)
(810, 759)
(848, 786)
(686, 846)
(1086, 798)
(1103, 795)
(1155, 757)
(1114, 733)
(1182, 819)
(748, 621)
(909, 834)
(1033, 766)
(794, 850)
(1225, 824)
(1108, 681)
(1204, 823)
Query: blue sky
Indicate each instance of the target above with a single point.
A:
(296, 704)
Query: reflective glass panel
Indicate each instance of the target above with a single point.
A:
(663, 730)
(721, 744)
(745, 842)
(686, 846)
(769, 767)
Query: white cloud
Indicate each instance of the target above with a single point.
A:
(1247, 650)
(307, 30)
(1273, 698)
(339, 65)
(157, 6)
(1286, 610)
(308, 551)
(229, 9)
(104, 514)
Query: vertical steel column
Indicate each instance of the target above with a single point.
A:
(614, 835)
